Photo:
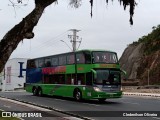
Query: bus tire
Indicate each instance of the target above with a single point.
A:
(35, 91)
(77, 95)
(102, 99)
(40, 92)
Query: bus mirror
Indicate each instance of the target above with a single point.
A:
(95, 76)
(123, 72)
(94, 73)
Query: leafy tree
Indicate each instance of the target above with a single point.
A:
(24, 29)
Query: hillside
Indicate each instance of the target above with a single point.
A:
(141, 59)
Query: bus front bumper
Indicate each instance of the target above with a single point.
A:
(107, 95)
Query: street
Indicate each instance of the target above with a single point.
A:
(92, 109)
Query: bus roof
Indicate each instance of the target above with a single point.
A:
(76, 51)
(95, 50)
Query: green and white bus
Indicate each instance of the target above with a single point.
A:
(84, 74)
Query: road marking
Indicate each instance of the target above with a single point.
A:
(130, 103)
(76, 101)
(60, 99)
(156, 118)
(21, 103)
(91, 104)
(7, 106)
(1, 110)
(72, 118)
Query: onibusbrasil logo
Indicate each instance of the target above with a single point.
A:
(21, 114)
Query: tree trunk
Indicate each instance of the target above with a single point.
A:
(21, 31)
(25, 28)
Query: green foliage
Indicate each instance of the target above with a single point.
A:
(135, 43)
(150, 41)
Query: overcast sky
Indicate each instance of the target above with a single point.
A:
(109, 28)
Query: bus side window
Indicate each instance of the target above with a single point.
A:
(87, 57)
(54, 61)
(68, 80)
(89, 78)
(80, 79)
(70, 59)
(80, 58)
(47, 62)
(46, 79)
(62, 60)
(61, 79)
(31, 64)
(41, 63)
(36, 63)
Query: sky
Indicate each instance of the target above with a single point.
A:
(108, 29)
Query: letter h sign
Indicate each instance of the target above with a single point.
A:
(21, 69)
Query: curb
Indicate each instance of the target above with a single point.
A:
(72, 115)
(142, 94)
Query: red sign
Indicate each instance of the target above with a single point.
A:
(80, 68)
(60, 69)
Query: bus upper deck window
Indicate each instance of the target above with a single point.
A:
(31, 64)
(55, 61)
(87, 57)
(41, 63)
(48, 62)
(70, 59)
(62, 60)
(80, 58)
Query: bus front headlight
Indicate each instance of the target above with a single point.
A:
(97, 89)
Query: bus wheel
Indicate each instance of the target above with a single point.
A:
(78, 95)
(102, 99)
(40, 93)
(35, 92)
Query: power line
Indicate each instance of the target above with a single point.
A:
(44, 44)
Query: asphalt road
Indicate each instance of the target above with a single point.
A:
(12, 108)
(114, 109)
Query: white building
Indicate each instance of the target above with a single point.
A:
(14, 75)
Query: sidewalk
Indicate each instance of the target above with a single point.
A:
(147, 91)
(156, 95)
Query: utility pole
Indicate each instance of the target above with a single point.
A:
(74, 38)
(74, 41)
(148, 76)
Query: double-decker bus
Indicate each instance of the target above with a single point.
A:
(84, 74)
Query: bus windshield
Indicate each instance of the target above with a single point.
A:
(107, 77)
(104, 57)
